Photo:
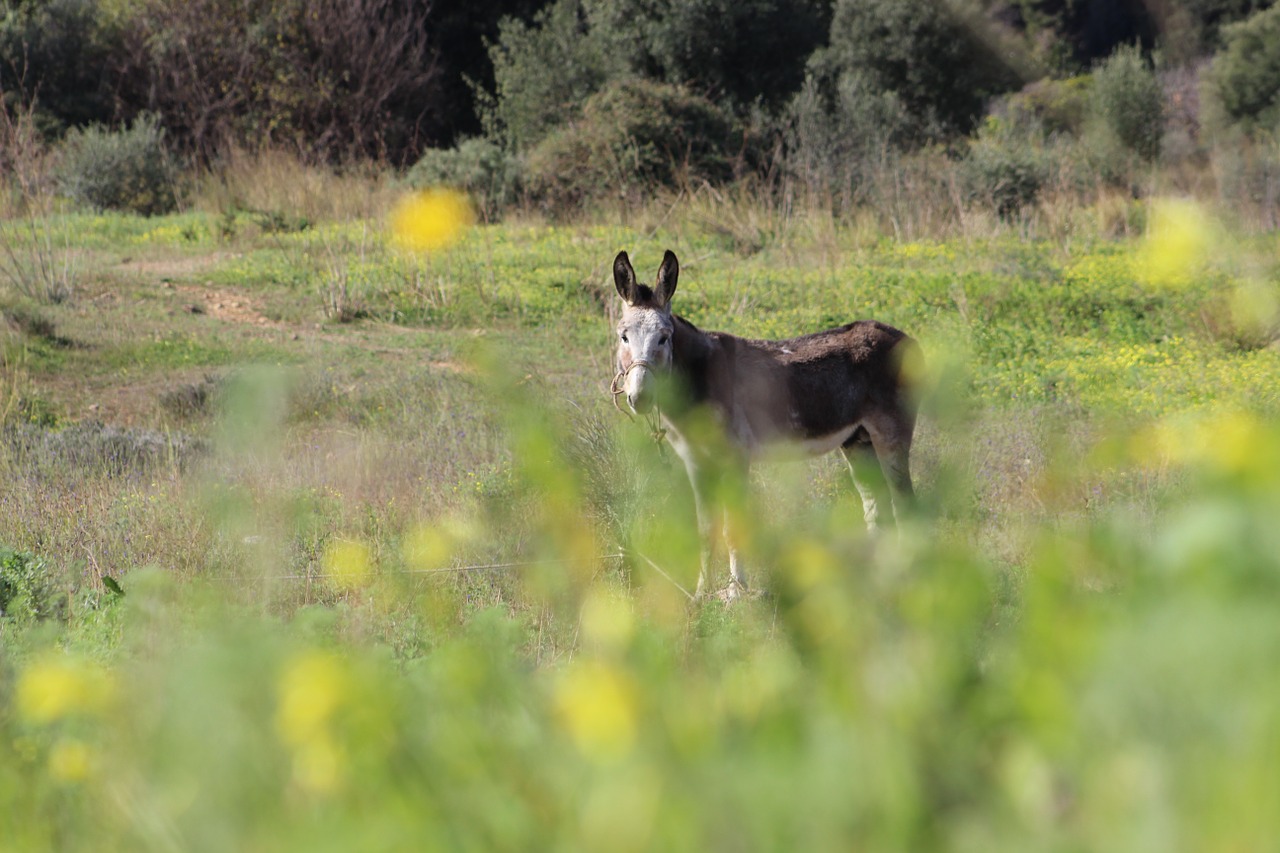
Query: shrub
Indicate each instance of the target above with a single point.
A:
(838, 137)
(1057, 106)
(941, 63)
(1128, 102)
(737, 52)
(337, 79)
(128, 170)
(28, 589)
(543, 72)
(480, 167)
(633, 137)
(1245, 76)
(1005, 168)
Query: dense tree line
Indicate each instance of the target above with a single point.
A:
(563, 97)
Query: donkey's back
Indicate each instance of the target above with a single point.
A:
(819, 390)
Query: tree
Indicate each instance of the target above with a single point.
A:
(543, 73)
(53, 53)
(335, 78)
(940, 60)
(1246, 74)
(735, 52)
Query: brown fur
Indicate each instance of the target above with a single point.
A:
(845, 386)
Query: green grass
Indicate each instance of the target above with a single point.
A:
(1071, 647)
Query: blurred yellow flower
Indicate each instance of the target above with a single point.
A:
(431, 219)
(1179, 243)
(810, 565)
(318, 766)
(348, 564)
(312, 687)
(432, 546)
(70, 761)
(607, 620)
(1233, 442)
(597, 705)
(55, 688)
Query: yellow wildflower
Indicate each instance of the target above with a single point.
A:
(70, 761)
(311, 690)
(348, 563)
(431, 219)
(597, 706)
(55, 688)
(1180, 240)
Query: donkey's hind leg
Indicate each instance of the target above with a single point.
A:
(891, 438)
(868, 477)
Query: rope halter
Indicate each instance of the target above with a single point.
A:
(617, 388)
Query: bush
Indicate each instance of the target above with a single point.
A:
(838, 137)
(28, 588)
(632, 138)
(128, 170)
(1056, 106)
(737, 52)
(1005, 168)
(1128, 102)
(480, 167)
(1245, 76)
(941, 63)
(336, 79)
(544, 72)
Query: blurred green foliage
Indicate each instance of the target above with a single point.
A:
(297, 664)
(881, 695)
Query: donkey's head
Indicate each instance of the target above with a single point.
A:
(644, 331)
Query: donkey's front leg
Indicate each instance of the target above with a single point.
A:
(706, 534)
(737, 575)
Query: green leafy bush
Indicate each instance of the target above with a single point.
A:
(737, 52)
(1128, 102)
(1005, 168)
(940, 62)
(128, 170)
(633, 137)
(478, 166)
(838, 134)
(544, 71)
(1246, 74)
(28, 589)
(1057, 106)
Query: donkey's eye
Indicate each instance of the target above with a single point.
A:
(662, 341)
(624, 337)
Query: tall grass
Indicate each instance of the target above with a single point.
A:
(37, 261)
(277, 186)
(897, 693)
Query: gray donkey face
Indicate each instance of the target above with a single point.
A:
(645, 329)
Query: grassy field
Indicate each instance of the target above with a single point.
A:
(256, 467)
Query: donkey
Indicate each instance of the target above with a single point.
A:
(723, 400)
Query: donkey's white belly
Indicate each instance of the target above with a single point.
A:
(824, 444)
(784, 447)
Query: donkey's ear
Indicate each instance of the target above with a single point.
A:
(624, 278)
(667, 275)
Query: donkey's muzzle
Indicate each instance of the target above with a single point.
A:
(636, 382)
(641, 400)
